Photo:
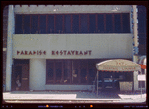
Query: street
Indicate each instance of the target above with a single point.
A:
(72, 97)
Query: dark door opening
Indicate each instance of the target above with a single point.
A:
(20, 75)
(16, 78)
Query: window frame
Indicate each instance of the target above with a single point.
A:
(78, 67)
(79, 23)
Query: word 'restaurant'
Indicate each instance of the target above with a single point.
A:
(71, 52)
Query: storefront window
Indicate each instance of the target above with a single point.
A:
(70, 72)
(58, 67)
(75, 76)
(50, 72)
(83, 76)
(92, 74)
(58, 75)
(66, 76)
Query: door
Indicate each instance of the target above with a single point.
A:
(16, 75)
(25, 77)
(21, 73)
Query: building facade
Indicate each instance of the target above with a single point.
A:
(57, 47)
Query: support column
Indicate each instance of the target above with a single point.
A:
(10, 33)
(135, 47)
(37, 76)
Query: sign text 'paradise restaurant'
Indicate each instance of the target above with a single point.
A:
(55, 52)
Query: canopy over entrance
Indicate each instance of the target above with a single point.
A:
(118, 65)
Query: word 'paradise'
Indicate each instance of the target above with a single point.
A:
(38, 52)
(71, 52)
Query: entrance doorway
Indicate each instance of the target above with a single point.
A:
(20, 75)
(110, 81)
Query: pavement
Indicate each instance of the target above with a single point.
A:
(73, 97)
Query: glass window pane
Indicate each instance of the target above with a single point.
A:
(59, 24)
(66, 76)
(117, 23)
(75, 76)
(58, 72)
(26, 24)
(126, 23)
(34, 24)
(142, 22)
(75, 24)
(109, 28)
(50, 24)
(83, 76)
(50, 72)
(84, 22)
(67, 71)
(18, 25)
(142, 84)
(42, 25)
(92, 23)
(92, 73)
(100, 23)
(67, 23)
(75, 71)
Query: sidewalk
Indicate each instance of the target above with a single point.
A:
(68, 96)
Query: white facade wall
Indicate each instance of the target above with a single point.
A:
(37, 75)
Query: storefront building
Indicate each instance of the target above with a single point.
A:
(57, 47)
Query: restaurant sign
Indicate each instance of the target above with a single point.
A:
(54, 52)
(118, 65)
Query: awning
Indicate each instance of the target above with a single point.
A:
(118, 65)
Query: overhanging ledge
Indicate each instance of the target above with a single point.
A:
(118, 65)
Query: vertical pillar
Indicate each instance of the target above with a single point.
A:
(135, 34)
(37, 76)
(9, 47)
(97, 83)
(135, 46)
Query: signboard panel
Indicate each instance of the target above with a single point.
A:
(72, 46)
(141, 78)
